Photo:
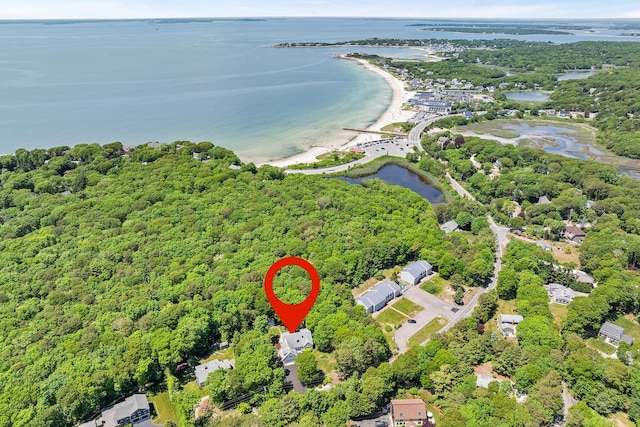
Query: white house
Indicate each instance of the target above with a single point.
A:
(416, 271)
(203, 371)
(291, 345)
(560, 294)
(507, 324)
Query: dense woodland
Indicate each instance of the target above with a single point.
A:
(117, 269)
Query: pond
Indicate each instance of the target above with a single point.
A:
(398, 175)
(527, 96)
(575, 75)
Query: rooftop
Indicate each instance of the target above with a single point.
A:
(408, 409)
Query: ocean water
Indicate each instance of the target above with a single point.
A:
(65, 83)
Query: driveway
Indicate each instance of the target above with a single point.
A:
(293, 378)
(433, 307)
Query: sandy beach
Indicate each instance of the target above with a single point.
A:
(393, 113)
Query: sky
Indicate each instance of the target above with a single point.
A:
(115, 9)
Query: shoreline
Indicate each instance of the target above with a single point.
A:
(393, 113)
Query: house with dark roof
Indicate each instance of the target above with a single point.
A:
(133, 410)
(379, 295)
(291, 345)
(614, 334)
(203, 371)
(575, 234)
(416, 271)
(507, 324)
(410, 413)
(560, 294)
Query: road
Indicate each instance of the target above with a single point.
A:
(501, 242)
(433, 308)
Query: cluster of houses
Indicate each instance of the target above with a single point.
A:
(379, 295)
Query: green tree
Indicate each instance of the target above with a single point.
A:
(307, 366)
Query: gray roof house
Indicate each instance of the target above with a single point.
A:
(560, 294)
(543, 200)
(544, 245)
(614, 334)
(203, 371)
(133, 410)
(450, 226)
(416, 271)
(291, 345)
(507, 324)
(379, 295)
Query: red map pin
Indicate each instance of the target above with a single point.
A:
(292, 314)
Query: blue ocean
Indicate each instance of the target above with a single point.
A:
(218, 80)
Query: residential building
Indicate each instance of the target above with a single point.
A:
(416, 271)
(203, 371)
(410, 413)
(560, 294)
(450, 226)
(614, 334)
(544, 245)
(379, 295)
(575, 234)
(507, 324)
(291, 345)
(583, 277)
(543, 200)
(133, 410)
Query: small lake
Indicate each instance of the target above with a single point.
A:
(527, 96)
(397, 175)
(576, 75)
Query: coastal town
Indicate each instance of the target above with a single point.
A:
(471, 259)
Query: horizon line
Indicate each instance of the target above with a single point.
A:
(321, 17)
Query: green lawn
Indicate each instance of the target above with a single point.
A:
(622, 419)
(407, 307)
(164, 408)
(227, 353)
(559, 313)
(326, 361)
(435, 286)
(631, 327)
(506, 307)
(600, 345)
(391, 317)
(426, 332)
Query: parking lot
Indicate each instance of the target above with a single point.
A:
(372, 422)
(391, 146)
(433, 307)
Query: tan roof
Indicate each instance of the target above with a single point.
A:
(576, 231)
(408, 409)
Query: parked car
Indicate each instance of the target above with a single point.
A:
(382, 424)
(411, 321)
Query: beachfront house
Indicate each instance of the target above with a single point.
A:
(416, 271)
(291, 345)
(203, 371)
(614, 334)
(379, 295)
(507, 324)
(134, 410)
